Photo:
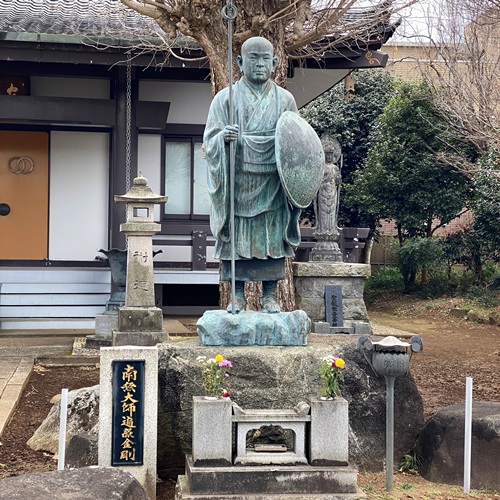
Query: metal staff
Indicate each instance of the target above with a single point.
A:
(229, 12)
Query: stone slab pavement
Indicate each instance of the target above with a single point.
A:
(19, 350)
(14, 374)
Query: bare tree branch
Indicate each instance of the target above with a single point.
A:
(298, 28)
(463, 68)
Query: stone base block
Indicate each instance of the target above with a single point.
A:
(311, 280)
(324, 327)
(95, 342)
(105, 324)
(140, 319)
(254, 328)
(182, 493)
(362, 328)
(139, 338)
(271, 458)
(261, 482)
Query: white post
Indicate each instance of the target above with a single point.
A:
(468, 434)
(62, 430)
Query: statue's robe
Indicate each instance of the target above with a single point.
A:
(266, 225)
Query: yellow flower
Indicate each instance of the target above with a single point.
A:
(339, 363)
(219, 358)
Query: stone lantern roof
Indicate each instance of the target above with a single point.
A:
(140, 192)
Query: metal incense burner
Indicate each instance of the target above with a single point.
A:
(389, 357)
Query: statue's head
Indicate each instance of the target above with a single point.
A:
(256, 61)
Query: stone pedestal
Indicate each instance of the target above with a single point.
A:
(311, 278)
(259, 482)
(329, 435)
(105, 323)
(279, 377)
(212, 443)
(139, 326)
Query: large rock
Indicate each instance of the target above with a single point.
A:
(265, 377)
(97, 483)
(83, 417)
(280, 377)
(82, 451)
(441, 445)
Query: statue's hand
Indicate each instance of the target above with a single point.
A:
(230, 133)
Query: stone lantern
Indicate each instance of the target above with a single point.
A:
(139, 321)
(389, 357)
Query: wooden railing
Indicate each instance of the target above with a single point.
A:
(351, 242)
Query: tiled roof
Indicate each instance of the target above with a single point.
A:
(74, 17)
(63, 20)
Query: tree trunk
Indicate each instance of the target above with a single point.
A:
(423, 275)
(285, 294)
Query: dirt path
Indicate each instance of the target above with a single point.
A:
(453, 350)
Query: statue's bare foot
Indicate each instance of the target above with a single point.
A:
(239, 305)
(269, 305)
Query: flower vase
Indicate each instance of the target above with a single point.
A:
(329, 437)
(212, 431)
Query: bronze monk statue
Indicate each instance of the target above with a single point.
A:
(266, 226)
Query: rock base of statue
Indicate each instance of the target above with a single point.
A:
(254, 328)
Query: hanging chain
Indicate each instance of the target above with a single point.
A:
(128, 132)
(128, 124)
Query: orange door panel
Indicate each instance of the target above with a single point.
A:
(24, 195)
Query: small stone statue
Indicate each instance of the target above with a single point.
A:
(326, 206)
(266, 225)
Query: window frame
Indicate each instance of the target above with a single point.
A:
(192, 139)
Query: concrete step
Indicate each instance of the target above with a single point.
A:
(48, 333)
(54, 275)
(47, 323)
(41, 288)
(68, 311)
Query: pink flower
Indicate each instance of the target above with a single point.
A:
(225, 362)
(226, 375)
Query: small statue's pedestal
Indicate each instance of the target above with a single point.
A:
(219, 327)
(105, 323)
(311, 279)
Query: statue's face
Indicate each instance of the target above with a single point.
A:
(257, 62)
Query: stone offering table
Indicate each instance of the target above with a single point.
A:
(295, 420)
(272, 475)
